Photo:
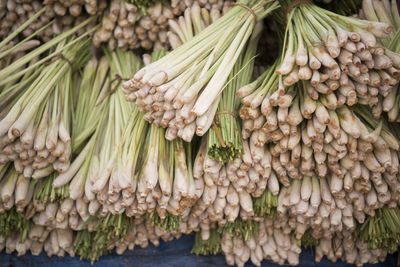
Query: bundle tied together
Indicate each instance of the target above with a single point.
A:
(249, 9)
(119, 80)
(57, 57)
(293, 5)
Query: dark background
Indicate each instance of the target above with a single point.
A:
(175, 253)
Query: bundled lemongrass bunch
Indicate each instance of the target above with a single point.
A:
(91, 106)
(96, 163)
(318, 206)
(224, 139)
(103, 140)
(128, 24)
(310, 207)
(56, 205)
(387, 12)
(241, 241)
(354, 156)
(112, 184)
(334, 203)
(157, 174)
(129, 158)
(308, 132)
(36, 117)
(325, 219)
(181, 91)
(337, 54)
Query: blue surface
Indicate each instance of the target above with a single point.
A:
(176, 253)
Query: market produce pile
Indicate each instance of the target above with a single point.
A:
(130, 122)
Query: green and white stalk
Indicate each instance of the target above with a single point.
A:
(199, 72)
(227, 127)
(36, 124)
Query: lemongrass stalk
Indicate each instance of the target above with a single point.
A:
(205, 54)
(228, 127)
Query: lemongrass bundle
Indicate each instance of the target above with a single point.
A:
(309, 131)
(118, 181)
(386, 12)
(184, 98)
(336, 54)
(224, 139)
(90, 110)
(15, 14)
(36, 123)
(160, 183)
(127, 27)
(91, 170)
(354, 155)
